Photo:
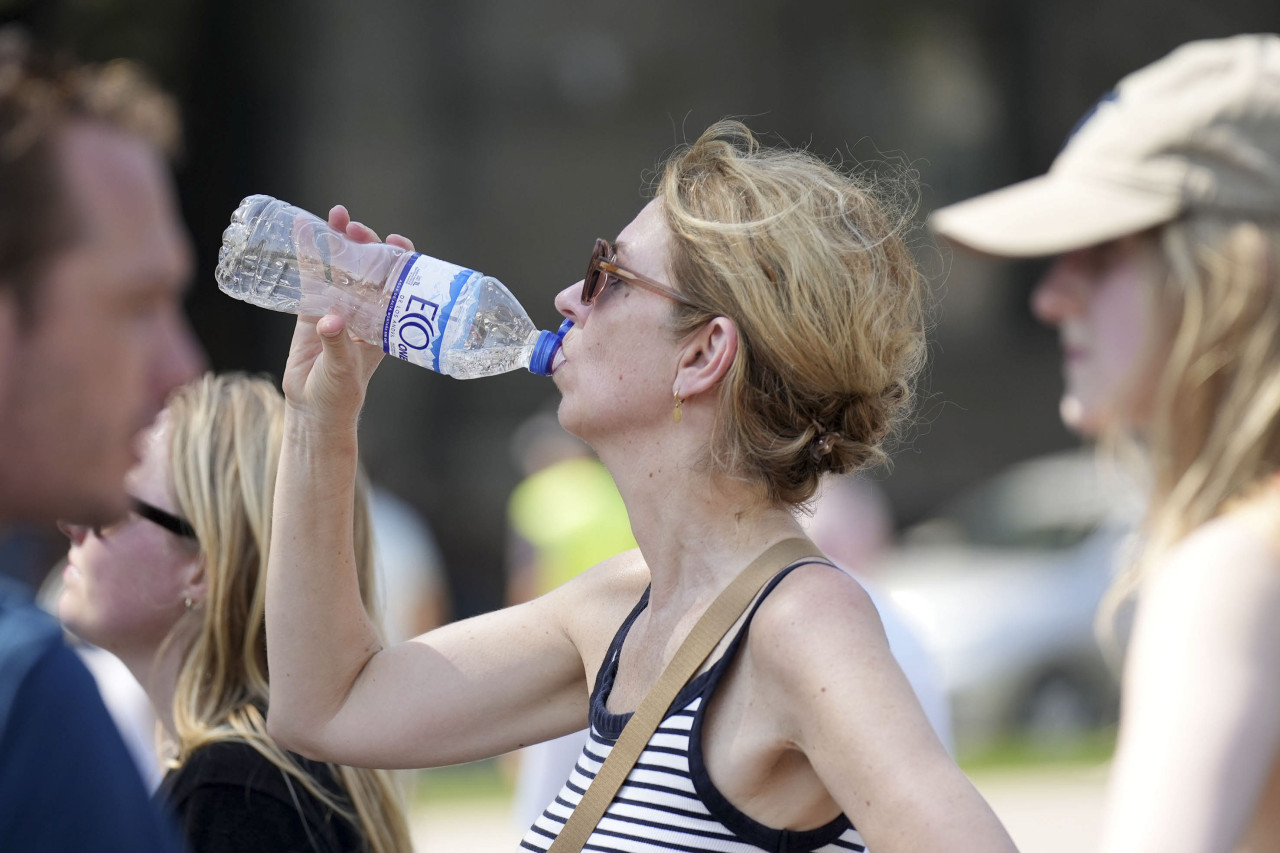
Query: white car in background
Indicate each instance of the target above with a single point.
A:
(1002, 588)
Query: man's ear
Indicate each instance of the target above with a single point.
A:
(708, 354)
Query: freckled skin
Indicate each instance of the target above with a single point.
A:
(785, 763)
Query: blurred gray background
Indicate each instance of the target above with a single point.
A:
(505, 135)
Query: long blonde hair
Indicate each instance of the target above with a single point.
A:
(1213, 436)
(811, 264)
(225, 433)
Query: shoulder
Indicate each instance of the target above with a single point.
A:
(27, 635)
(1230, 565)
(224, 760)
(1248, 531)
(228, 796)
(589, 607)
(626, 572)
(45, 688)
(58, 745)
(238, 764)
(816, 595)
(1200, 672)
(817, 614)
(819, 659)
(1206, 613)
(616, 582)
(592, 604)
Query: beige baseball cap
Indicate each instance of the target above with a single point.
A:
(1195, 132)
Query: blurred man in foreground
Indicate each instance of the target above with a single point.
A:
(93, 263)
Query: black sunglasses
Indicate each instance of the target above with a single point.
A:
(174, 524)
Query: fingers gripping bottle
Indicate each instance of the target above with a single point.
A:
(434, 314)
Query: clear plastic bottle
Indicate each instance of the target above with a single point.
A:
(434, 314)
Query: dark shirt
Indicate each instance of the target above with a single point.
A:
(67, 782)
(230, 798)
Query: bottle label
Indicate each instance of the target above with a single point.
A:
(419, 310)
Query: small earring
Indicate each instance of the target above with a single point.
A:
(677, 413)
(188, 603)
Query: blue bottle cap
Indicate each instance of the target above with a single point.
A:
(544, 351)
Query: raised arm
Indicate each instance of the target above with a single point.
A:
(1200, 726)
(853, 714)
(468, 690)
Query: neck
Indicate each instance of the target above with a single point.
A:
(696, 528)
(156, 668)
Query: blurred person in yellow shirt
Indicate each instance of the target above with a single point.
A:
(565, 516)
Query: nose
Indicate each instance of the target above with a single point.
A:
(180, 359)
(75, 532)
(1061, 293)
(569, 303)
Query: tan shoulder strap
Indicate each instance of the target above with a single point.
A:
(702, 640)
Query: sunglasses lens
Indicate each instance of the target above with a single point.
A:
(595, 277)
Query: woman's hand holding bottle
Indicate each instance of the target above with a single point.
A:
(328, 369)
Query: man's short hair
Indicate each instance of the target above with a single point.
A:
(40, 94)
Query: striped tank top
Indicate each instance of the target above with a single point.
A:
(668, 803)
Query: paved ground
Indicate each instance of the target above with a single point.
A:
(483, 826)
(1045, 810)
(1048, 811)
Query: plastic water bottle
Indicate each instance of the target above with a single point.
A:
(437, 315)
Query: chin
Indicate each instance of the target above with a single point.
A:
(567, 419)
(68, 615)
(1074, 418)
(1088, 421)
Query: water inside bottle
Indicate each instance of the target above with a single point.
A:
(473, 364)
(488, 333)
(496, 340)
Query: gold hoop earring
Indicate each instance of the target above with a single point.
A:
(677, 413)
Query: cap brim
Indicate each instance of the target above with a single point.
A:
(1050, 215)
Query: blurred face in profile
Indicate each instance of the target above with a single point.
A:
(125, 584)
(1100, 300)
(105, 340)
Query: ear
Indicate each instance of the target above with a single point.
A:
(195, 579)
(707, 356)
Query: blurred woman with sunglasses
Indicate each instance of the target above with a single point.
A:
(176, 591)
(758, 325)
